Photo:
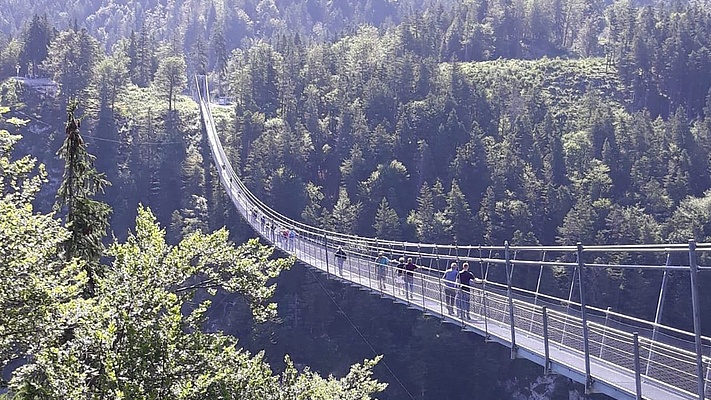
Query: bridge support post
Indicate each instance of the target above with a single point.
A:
(658, 314)
(637, 368)
(584, 315)
(604, 331)
(693, 271)
(538, 282)
(325, 247)
(546, 349)
(512, 321)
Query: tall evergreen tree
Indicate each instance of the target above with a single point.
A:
(71, 59)
(460, 215)
(220, 55)
(36, 43)
(387, 222)
(86, 219)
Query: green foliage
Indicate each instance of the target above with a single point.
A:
(387, 223)
(170, 79)
(86, 218)
(111, 78)
(71, 58)
(691, 220)
(460, 214)
(145, 314)
(344, 214)
(36, 41)
(28, 251)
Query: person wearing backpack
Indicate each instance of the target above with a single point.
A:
(450, 286)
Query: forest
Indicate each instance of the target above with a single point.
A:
(469, 122)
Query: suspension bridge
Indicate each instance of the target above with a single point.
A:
(608, 352)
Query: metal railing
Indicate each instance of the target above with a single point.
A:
(633, 356)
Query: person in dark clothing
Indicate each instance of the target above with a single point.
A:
(466, 278)
(400, 281)
(340, 257)
(410, 268)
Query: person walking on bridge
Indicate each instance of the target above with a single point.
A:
(340, 257)
(382, 265)
(410, 268)
(450, 286)
(466, 278)
(400, 280)
(292, 240)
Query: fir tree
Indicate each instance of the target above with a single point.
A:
(86, 219)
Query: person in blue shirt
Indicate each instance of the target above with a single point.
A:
(382, 266)
(450, 286)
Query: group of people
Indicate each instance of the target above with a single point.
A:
(285, 237)
(405, 272)
(457, 289)
(457, 282)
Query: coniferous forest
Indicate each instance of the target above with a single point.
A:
(440, 121)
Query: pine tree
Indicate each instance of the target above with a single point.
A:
(460, 215)
(387, 222)
(71, 59)
(345, 214)
(35, 44)
(86, 219)
(219, 57)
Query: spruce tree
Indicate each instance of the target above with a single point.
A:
(86, 219)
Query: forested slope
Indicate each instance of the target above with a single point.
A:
(540, 122)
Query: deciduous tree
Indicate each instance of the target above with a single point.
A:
(170, 78)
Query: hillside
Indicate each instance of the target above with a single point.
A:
(473, 122)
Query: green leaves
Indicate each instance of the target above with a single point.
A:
(141, 335)
(70, 61)
(170, 79)
(141, 332)
(31, 273)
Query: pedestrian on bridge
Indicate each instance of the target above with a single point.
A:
(269, 231)
(410, 268)
(382, 265)
(450, 286)
(400, 280)
(340, 257)
(466, 278)
(292, 240)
